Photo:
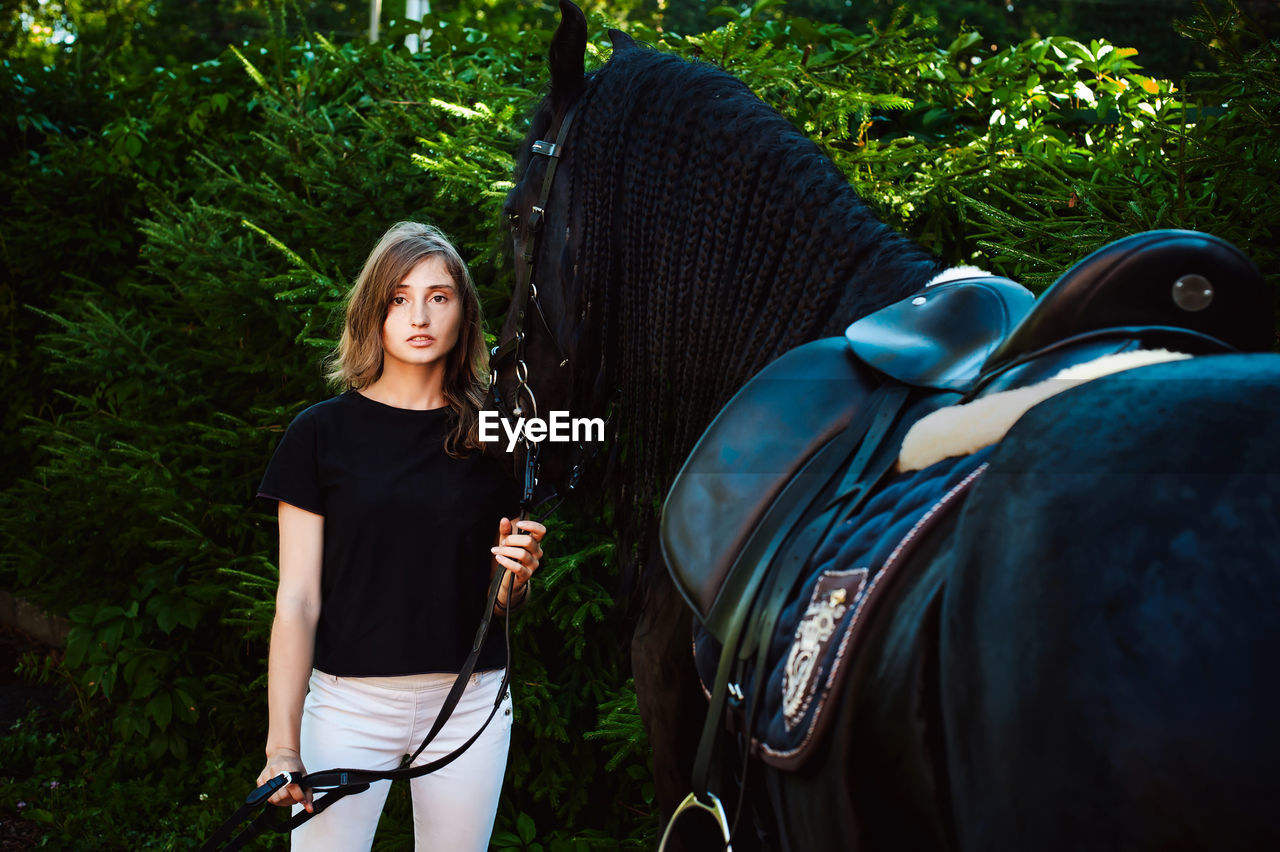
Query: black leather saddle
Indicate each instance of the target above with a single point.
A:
(761, 457)
(815, 410)
(805, 442)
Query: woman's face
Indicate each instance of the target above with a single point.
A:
(423, 317)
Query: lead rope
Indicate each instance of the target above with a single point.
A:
(338, 783)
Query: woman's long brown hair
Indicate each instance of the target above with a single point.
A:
(358, 360)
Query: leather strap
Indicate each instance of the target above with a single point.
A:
(728, 613)
(794, 501)
(338, 783)
(866, 433)
(861, 477)
(524, 286)
(855, 484)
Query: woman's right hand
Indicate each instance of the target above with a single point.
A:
(286, 760)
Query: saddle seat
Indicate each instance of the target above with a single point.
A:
(1154, 289)
(805, 442)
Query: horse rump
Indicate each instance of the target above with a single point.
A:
(1109, 640)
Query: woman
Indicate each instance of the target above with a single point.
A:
(391, 522)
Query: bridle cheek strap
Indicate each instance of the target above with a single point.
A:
(524, 283)
(550, 150)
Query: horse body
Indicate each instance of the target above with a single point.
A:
(1019, 697)
(1108, 634)
(696, 236)
(1082, 660)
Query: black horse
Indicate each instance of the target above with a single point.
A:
(1097, 670)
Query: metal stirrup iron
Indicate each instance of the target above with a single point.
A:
(691, 803)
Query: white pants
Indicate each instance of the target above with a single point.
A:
(374, 723)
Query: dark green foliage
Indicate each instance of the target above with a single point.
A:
(1024, 159)
(175, 242)
(141, 34)
(1150, 24)
(174, 377)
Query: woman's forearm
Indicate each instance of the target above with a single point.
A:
(288, 669)
(293, 633)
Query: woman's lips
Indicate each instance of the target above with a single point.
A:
(421, 340)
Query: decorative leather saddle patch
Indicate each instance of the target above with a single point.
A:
(796, 704)
(833, 594)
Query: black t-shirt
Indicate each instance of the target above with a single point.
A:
(407, 532)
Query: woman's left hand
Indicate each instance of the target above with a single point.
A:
(519, 549)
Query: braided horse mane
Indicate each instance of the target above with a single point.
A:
(707, 236)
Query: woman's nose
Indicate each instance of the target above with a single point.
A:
(421, 316)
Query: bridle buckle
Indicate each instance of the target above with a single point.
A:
(545, 148)
(535, 219)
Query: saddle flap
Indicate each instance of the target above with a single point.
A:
(766, 432)
(940, 336)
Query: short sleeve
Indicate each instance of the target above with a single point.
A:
(293, 473)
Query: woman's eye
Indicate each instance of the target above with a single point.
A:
(440, 298)
(399, 300)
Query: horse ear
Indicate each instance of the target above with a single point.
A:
(621, 41)
(568, 49)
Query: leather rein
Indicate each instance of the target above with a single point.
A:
(338, 783)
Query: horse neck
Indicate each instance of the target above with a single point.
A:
(715, 237)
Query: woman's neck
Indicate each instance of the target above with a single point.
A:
(417, 389)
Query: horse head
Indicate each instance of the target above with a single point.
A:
(673, 234)
(547, 333)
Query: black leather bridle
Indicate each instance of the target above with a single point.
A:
(523, 298)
